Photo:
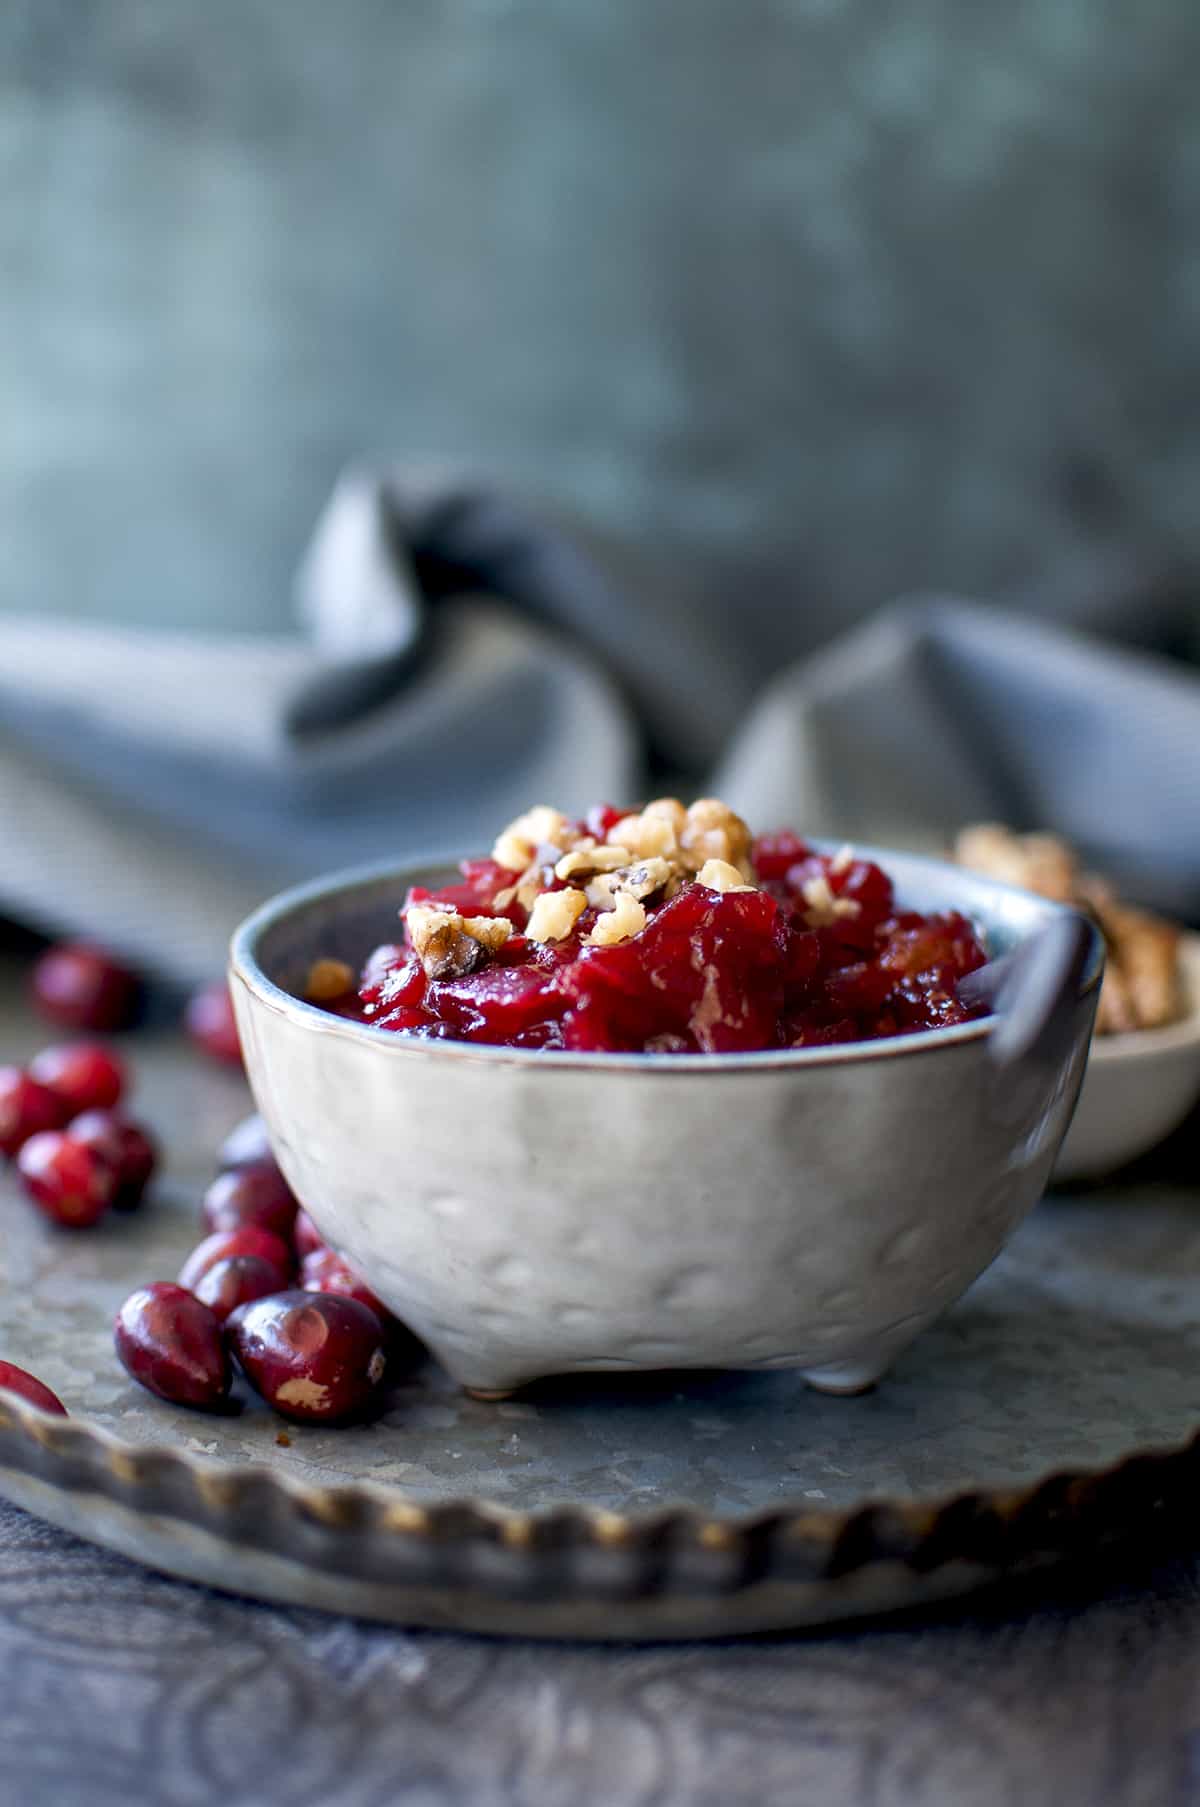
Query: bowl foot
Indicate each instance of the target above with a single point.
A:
(489, 1395)
(843, 1380)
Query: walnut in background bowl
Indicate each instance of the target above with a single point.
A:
(1143, 984)
(1143, 1073)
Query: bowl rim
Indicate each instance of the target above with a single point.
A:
(244, 967)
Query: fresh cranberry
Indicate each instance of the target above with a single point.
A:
(305, 1235)
(26, 1109)
(325, 1271)
(129, 1148)
(16, 1380)
(172, 1344)
(83, 987)
(315, 1357)
(249, 1240)
(257, 1194)
(87, 1075)
(70, 1183)
(210, 1022)
(237, 1280)
(245, 1145)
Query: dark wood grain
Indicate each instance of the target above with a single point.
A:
(122, 1687)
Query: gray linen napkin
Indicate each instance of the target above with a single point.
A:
(463, 657)
(941, 712)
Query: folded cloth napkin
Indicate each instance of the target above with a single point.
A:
(940, 712)
(463, 657)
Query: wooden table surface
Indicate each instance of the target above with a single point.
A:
(120, 1686)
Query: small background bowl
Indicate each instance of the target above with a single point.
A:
(533, 1214)
(1137, 1088)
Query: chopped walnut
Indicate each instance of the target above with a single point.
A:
(647, 854)
(842, 860)
(529, 887)
(823, 907)
(1140, 989)
(719, 875)
(490, 931)
(1036, 862)
(449, 945)
(542, 826)
(671, 810)
(328, 980)
(713, 832)
(626, 919)
(686, 838)
(646, 836)
(555, 914)
(588, 858)
(640, 880)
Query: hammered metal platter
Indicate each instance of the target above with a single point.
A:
(666, 1506)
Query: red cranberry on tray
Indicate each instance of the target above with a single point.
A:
(325, 1271)
(236, 1280)
(172, 1343)
(246, 1145)
(129, 1147)
(70, 1183)
(86, 1075)
(26, 1109)
(248, 1240)
(254, 1194)
(314, 1357)
(210, 1022)
(83, 987)
(28, 1387)
(306, 1236)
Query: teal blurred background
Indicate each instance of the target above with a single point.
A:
(822, 300)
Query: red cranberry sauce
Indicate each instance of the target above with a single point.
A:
(817, 953)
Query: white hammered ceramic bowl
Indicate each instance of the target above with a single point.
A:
(1137, 1088)
(532, 1214)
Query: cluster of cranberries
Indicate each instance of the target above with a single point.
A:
(77, 1156)
(262, 1290)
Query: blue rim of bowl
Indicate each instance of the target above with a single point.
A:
(244, 966)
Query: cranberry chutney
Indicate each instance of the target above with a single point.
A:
(661, 931)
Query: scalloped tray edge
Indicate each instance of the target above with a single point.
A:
(565, 1571)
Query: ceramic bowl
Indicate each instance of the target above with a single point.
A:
(1137, 1087)
(532, 1214)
